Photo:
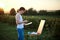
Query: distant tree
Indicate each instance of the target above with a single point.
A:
(12, 11)
(51, 13)
(57, 12)
(31, 12)
(54, 13)
(42, 12)
(1, 11)
(35, 12)
(25, 13)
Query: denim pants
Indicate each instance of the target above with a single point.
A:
(20, 34)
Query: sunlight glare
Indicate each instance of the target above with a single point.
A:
(2, 5)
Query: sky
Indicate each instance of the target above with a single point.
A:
(35, 4)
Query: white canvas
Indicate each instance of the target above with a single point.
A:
(41, 25)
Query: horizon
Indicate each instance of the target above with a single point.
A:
(35, 4)
(29, 8)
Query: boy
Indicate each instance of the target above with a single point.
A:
(20, 23)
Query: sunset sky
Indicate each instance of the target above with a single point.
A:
(36, 4)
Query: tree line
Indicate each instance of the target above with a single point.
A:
(31, 11)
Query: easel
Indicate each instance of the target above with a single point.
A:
(39, 31)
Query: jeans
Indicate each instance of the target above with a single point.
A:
(20, 34)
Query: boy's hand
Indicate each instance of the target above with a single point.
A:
(28, 23)
(25, 21)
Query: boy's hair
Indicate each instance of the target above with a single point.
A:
(21, 8)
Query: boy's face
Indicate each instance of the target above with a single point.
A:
(22, 11)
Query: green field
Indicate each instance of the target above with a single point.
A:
(7, 32)
(8, 28)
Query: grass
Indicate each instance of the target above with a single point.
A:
(9, 32)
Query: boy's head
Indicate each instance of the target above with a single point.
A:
(21, 10)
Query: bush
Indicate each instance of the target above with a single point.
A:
(51, 28)
(7, 19)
